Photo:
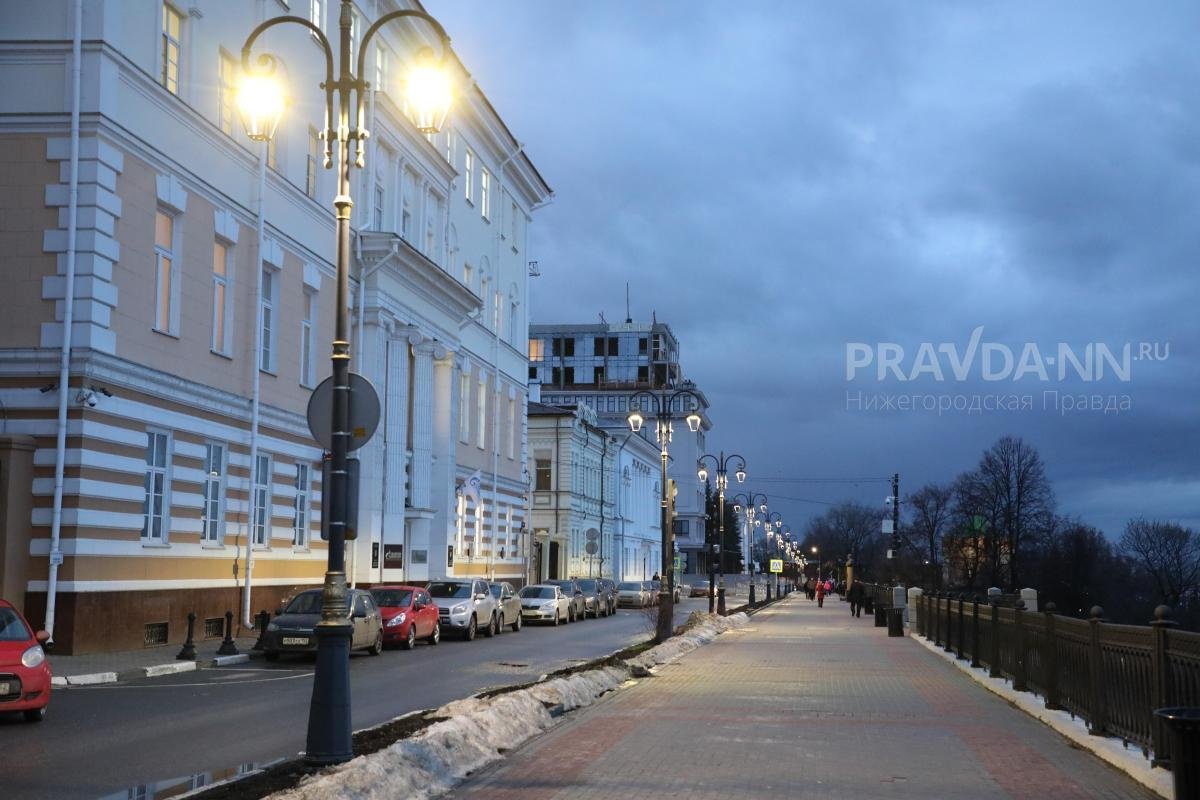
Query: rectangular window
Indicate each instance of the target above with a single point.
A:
(260, 512)
(310, 163)
(643, 374)
(597, 375)
(307, 335)
(377, 219)
(468, 276)
(213, 514)
(512, 428)
(613, 346)
(642, 346)
(464, 407)
(266, 361)
(300, 525)
(166, 312)
(481, 412)
(569, 346)
(220, 298)
(226, 88)
(172, 28)
(533, 374)
(383, 63)
(542, 475)
(569, 375)
(598, 346)
(156, 514)
(449, 146)
(316, 14)
(555, 376)
(485, 193)
(469, 175)
(513, 222)
(556, 346)
(537, 349)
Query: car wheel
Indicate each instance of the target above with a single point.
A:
(500, 625)
(377, 648)
(571, 613)
(557, 619)
(35, 714)
(410, 641)
(469, 633)
(517, 624)
(494, 627)
(436, 636)
(271, 655)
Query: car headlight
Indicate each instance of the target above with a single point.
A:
(461, 608)
(549, 606)
(34, 656)
(272, 626)
(396, 620)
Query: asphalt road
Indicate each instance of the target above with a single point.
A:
(101, 741)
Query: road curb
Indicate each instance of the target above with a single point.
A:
(224, 661)
(1156, 779)
(152, 671)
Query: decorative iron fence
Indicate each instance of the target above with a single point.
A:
(1111, 676)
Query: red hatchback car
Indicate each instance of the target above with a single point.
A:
(409, 614)
(24, 670)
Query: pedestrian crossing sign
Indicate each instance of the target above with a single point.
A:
(776, 565)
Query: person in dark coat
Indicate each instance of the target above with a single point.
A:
(856, 595)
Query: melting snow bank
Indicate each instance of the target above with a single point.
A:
(477, 731)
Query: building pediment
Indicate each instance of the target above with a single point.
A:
(413, 286)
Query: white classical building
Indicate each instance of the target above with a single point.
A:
(179, 474)
(595, 503)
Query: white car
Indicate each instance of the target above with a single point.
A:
(544, 602)
(633, 593)
(465, 605)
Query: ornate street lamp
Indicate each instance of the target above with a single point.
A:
(721, 462)
(261, 104)
(661, 405)
(750, 503)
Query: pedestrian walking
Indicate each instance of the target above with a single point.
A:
(856, 595)
(820, 595)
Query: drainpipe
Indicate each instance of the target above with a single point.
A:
(603, 458)
(255, 390)
(64, 367)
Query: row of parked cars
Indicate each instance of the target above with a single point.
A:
(466, 607)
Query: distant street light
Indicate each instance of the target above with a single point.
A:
(722, 462)
(750, 503)
(261, 103)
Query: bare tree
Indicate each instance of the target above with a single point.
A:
(1171, 555)
(931, 508)
(1011, 488)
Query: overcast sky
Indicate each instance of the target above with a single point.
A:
(777, 180)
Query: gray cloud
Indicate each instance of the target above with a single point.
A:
(781, 179)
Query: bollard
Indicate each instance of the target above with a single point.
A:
(1183, 727)
(768, 591)
(262, 620)
(895, 621)
(228, 648)
(880, 617)
(751, 601)
(721, 600)
(188, 651)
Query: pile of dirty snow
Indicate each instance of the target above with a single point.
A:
(477, 729)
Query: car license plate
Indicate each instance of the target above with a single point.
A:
(3, 688)
(295, 640)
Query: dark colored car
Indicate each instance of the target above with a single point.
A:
(24, 670)
(571, 589)
(408, 614)
(292, 631)
(509, 606)
(594, 602)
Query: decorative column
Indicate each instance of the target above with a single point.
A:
(422, 421)
(396, 359)
(443, 443)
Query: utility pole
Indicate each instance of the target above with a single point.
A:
(895, 513)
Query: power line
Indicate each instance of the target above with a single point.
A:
(822, 480)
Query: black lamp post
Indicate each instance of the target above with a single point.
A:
(662, 405)
(749, 502)
(261, 104)
(721, 462)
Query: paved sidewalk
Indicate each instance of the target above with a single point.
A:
(802, 703)
(133, 663)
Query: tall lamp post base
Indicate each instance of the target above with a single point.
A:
(329, 737)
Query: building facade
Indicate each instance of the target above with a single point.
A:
(182, 476)
(601, 365)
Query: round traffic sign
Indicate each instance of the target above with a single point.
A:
(591, 548)
(364, 412)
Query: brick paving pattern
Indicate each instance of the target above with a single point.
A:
(803, 703)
